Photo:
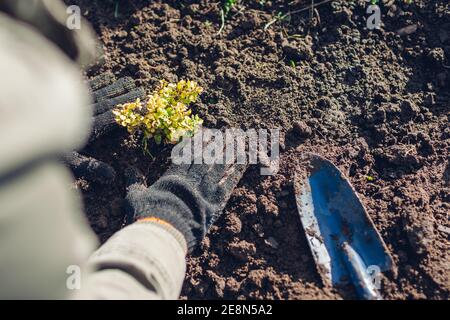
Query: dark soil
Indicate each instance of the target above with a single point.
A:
(374, 102)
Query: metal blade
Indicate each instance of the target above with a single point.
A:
(344, 242)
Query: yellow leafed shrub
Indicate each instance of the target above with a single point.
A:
(165, 116)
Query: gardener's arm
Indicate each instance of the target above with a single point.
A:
(142, 261)
(44, 232)
(146, 259)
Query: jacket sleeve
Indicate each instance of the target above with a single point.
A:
(44, 234)
(43, 115)
(142, 261)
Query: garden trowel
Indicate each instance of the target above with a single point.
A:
(345, 245)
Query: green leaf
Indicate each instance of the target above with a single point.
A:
(158, 139)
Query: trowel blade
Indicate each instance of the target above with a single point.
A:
(333, 217)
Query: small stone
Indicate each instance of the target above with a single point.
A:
(436, 56)
(325, 103)
(302, 129)
(242, 250)
(257, 277)
(122, 34)
(135, 20)
(267, 206)
(134, 35)
(205, 244)
(258, 228)
(397, 202)
(201, 288)
(408, 109)
(298, 51)
(218, 282)
(271, 242)
(444, 229)
(234, 224)
(128, 47)
(232, 285)
(183, 52)
(407, 30)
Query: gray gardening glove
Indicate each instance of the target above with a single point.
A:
(106, 93)
(90, 168)
(49, 18)
(188, 197)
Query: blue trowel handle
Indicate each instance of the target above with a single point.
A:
(358, 272)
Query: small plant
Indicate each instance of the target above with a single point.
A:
(165, 117)
(224, 12)
(228, 5)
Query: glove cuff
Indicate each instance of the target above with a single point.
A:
(166, 217)
(168, 227)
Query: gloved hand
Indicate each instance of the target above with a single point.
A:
(90, 168)
(188, 197)
(49, 17)
(107, 93)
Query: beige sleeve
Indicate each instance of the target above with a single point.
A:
(43, 100)
(43, 114)
(142, 261)
(44, 234)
